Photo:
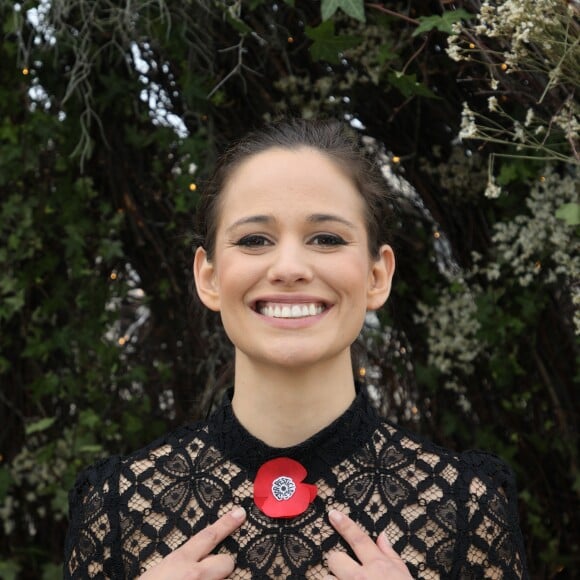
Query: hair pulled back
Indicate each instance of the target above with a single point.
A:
(331, 138)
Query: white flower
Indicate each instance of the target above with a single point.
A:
(492, 191)
(468, 126)
(519, 134)
(493, 271)
(454, 53)
(492, 104)
(529, 117)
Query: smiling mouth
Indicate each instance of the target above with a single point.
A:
(273, 310)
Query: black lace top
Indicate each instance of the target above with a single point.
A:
(448, 515)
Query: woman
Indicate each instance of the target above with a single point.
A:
(295, 476)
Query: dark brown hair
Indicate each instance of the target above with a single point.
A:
(331, 138)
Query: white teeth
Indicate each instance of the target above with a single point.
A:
(290, 310)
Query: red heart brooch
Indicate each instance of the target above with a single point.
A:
(279, 491)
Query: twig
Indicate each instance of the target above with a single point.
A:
(393, 13)
(415, 54)
(239, 65)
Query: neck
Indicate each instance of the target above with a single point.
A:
(283, 407)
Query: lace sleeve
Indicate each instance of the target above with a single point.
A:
(90, 542)
(491, 544)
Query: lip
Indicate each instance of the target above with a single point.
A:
(289, 323)
(290, 299)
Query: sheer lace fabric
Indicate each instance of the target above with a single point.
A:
(448, 515)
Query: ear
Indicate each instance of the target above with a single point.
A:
(380, 278)
(206, 285)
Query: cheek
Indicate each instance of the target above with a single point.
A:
(358, 265)
(234, 276)
(352, 277)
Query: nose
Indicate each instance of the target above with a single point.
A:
(290, 264)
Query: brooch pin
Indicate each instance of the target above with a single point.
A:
(279, 491)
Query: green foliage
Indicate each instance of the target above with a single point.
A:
(328, 46)
(40, 425)
(442, 23)
(570, 213)
(354, 8)
(517, 170)
(9, 569)
(409, 86)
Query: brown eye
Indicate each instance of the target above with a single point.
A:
(253, 241)
(327, 240)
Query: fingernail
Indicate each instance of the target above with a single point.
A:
(238, 513)
(335, 516)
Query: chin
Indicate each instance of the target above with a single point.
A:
(299, 358)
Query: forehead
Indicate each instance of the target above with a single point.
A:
(278, 180)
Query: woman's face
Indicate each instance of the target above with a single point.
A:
(292, 276)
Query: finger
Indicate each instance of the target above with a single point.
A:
(385, 546)
(361, 544)
(342, 565)
(214, 567)
(205, 541)
(387, 549)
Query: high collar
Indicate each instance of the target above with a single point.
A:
(318, 453)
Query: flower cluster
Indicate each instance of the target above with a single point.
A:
(524, 35)
(529, 58)
(541, 244)
(453, 341)
(536, 247)
(461, 174)
(468, 125)
(35, 473)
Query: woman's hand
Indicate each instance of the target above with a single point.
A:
(376, 560)
(192, 559)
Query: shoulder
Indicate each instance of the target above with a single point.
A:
(105, 473)
(480, 490)
(467, 466)
(480, 484)
(108, 493)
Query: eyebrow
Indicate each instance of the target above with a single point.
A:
(328, 217)
(315, 218)
(252, 219)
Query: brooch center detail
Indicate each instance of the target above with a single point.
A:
(283, 488)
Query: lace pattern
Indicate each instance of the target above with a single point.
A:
(448, 515)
